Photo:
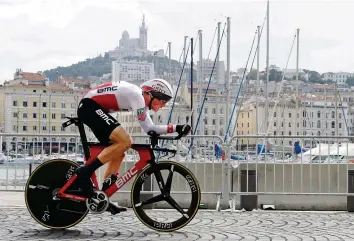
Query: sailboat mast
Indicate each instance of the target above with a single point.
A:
(257, 87)
(227, 84)
(297, 114)
(267, 73)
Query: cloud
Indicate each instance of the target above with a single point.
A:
(43, 34)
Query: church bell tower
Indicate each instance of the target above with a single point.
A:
(143, 35)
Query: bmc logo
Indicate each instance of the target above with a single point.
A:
(105, 89)
(159, 88)
(105, 117)
(127, 176)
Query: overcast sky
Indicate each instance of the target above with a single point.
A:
(43, 34)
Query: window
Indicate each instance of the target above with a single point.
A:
(44, 128)
(24, 128)
(34, 128)
(15, 114)
(24, 103)
(73, 105)
(62, 129)
(24, 115)
(15, 103)
(340, 125)
(34, 115)
(289, 124)
(333, 124)
(44, 116)
(34, 104)
(332, 114)
(318, 114)
(289, 115)
(274, 114)
(318, 124)
(53, 105)
(62, 105)
(63, 116)
(213, 121)
(44, 104)
(53, 115)
(275, 124)
(53, 128)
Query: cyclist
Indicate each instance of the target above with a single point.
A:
(94, 109)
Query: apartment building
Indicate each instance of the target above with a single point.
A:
(132, 70)
(33, 105)
(317, 116)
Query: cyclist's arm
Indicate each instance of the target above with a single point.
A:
(145, 121)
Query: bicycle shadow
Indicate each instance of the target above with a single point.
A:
(86, 233)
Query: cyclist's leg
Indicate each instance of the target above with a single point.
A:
(113, 166)
(90, 113)
(121, 143)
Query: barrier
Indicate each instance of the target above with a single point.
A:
(232, 175)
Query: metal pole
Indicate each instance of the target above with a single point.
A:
(192, 83)
(258, 83)
(227, 84)
(297, 84)
(201, 132)
(169, 57)
(267, 75)
(217, 81)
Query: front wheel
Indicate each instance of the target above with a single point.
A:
(184, 198)
(41, 187)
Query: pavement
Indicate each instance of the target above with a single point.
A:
(17, 224)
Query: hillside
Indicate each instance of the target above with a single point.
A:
(101, 65)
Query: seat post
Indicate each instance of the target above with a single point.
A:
(83, 139)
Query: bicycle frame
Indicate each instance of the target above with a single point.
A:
(92, 150)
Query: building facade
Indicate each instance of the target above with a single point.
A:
(132, 70)
(33, 105)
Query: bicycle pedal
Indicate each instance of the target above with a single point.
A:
(113, 209)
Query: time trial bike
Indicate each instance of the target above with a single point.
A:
(56, 201)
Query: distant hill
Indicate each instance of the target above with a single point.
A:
(101, 65)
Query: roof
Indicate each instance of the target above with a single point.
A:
(32, 76)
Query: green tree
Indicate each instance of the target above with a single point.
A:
(314, 77)
(252, 74)
(275, 75)
(350, 81)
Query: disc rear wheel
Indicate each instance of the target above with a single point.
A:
(42, 186)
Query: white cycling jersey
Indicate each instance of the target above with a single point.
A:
(124, 96)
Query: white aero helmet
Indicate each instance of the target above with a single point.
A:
(158, 88)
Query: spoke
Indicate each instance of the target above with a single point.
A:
(155, 199)
(160, 181)
(169, 179)
(174, 204)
